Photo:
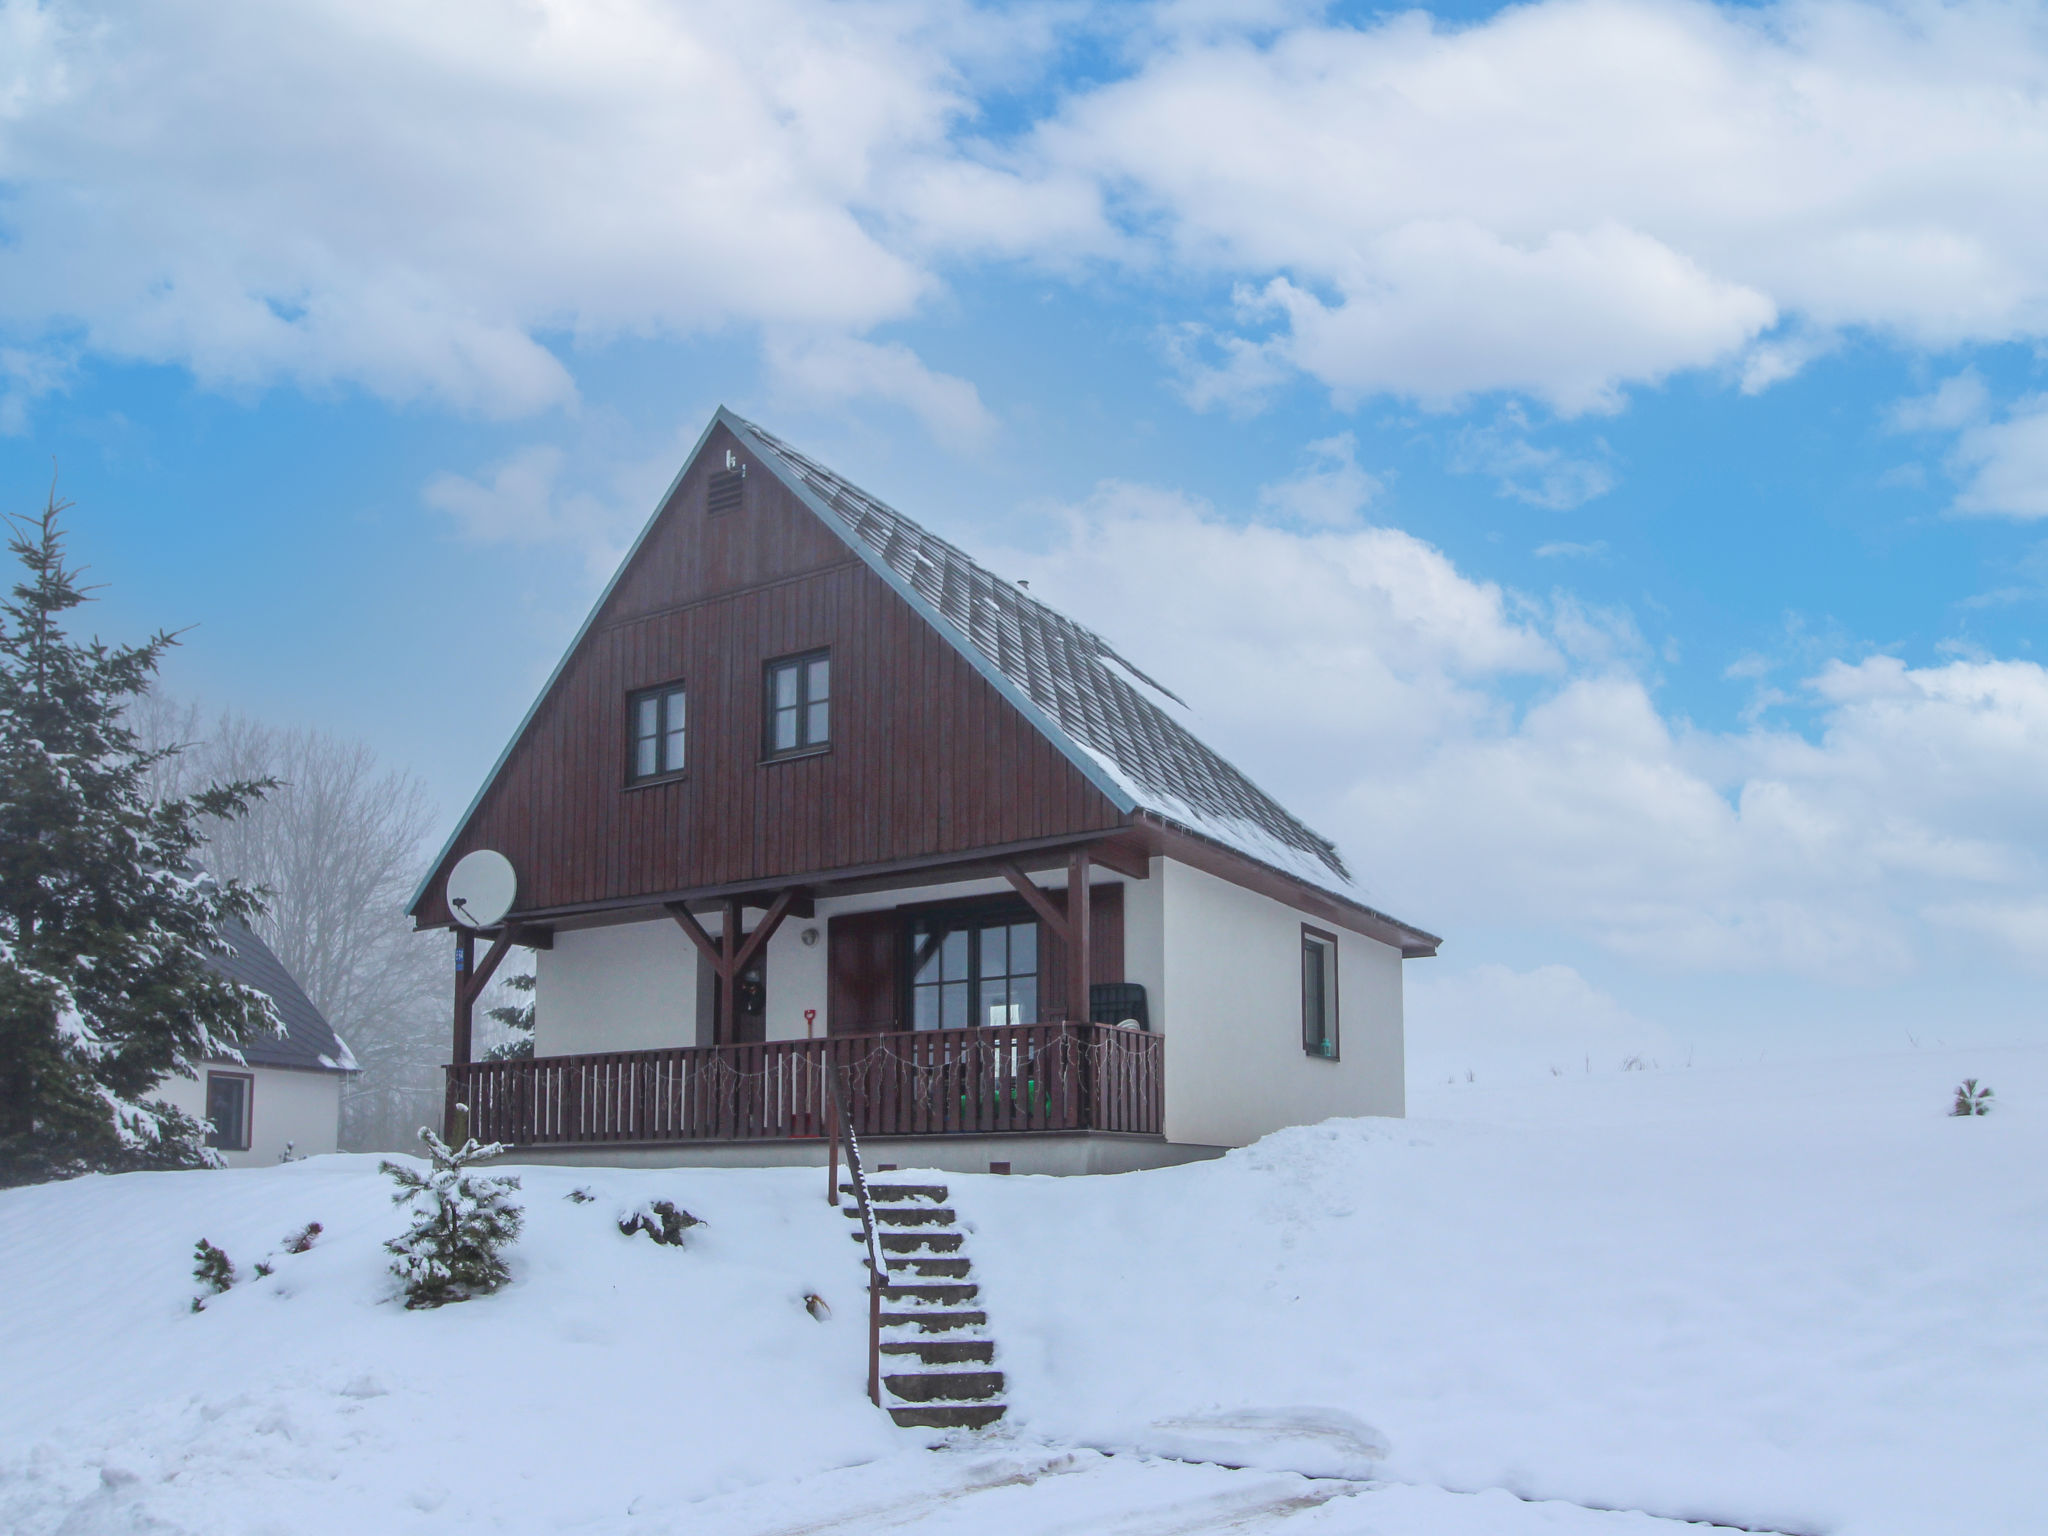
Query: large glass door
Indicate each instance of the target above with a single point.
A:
(973, 970)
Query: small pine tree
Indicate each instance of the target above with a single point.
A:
(517, 1017)
(1971, 1100)
(212, 1268)
(106, 923)
(460, 1220)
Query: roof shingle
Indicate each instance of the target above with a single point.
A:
(1104, 704)
(309, 1041)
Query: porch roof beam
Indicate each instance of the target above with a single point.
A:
(728, 954)
(706, 945)
(1050, 915)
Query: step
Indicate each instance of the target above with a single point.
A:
(935, 1320)
(946, 1386)
(896, 1194)
(910, 1216)
(948, 1415)
(944, 1351)
(930, 1269)
(917, 1242)
(902, 1215)
(941, 1293)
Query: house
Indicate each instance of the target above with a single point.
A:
(284, 1095)
(811, 801)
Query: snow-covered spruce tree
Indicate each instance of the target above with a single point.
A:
(106, 923)
(460, 1219)
(518, 1018)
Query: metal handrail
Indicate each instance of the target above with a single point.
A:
(842, 1124)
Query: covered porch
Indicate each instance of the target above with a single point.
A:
(996, 1081)
(956, 999)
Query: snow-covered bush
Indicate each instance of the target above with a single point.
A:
(212, 1268)
(1971, 1100)
(662, 1220)
(302, 1239)
(460, 1219)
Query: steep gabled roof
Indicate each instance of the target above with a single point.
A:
(309, 1041)
(1105, 713)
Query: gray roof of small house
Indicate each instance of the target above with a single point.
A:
(1118, 719)
(309, 1041)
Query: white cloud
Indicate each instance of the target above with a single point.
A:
(1574, 196)
(1952, 404)
(1543, 477)
(24, 378)
(516, 506)
(592, 502)
(408, 198)
(1493, 761)
(2006, 463)
(833, 370)
(1565, 200)
(1332, 490)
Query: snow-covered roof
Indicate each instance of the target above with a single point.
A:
(309, 1041)
(1111, 718)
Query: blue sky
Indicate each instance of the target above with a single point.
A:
(1586, 456)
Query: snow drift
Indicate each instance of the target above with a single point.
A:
(1808, 1303)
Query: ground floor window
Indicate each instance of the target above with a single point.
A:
(1319, 993)
(967, 970)
(227, 1110)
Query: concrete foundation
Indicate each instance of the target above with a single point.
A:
(1081, 1152)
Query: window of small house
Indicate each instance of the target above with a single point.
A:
(975, 972)
(659, 718)
(799, 703)
(1319, 993)
(227, 1111)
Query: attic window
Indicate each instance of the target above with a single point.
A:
(659, 720)
(726, 491)
(799, 704)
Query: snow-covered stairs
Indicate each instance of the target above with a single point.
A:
(938, 1361)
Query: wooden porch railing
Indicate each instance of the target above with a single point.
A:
(944, 1082)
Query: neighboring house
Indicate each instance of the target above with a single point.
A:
(806, 801)
(286, 1090)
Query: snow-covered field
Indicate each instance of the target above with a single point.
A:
(1794, 1298)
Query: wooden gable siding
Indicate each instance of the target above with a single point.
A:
(927, 758)
(689, 555)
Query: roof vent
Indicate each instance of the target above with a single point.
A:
(725, 491)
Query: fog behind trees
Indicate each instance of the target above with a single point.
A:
(339, 846)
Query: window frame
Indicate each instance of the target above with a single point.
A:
(1325, 1046)
(972, 916)
(661, 694)
(800, 663)
(248, 1085)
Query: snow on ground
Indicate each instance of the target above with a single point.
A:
(1787, 1297)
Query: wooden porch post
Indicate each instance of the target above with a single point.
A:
(1079, 947)
(729, 974)
(465, 1000)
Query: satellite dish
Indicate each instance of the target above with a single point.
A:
(480, 888)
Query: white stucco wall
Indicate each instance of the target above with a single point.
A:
(627, 987)
(1230, 1007)
(1221, 967)
(303, 1108)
